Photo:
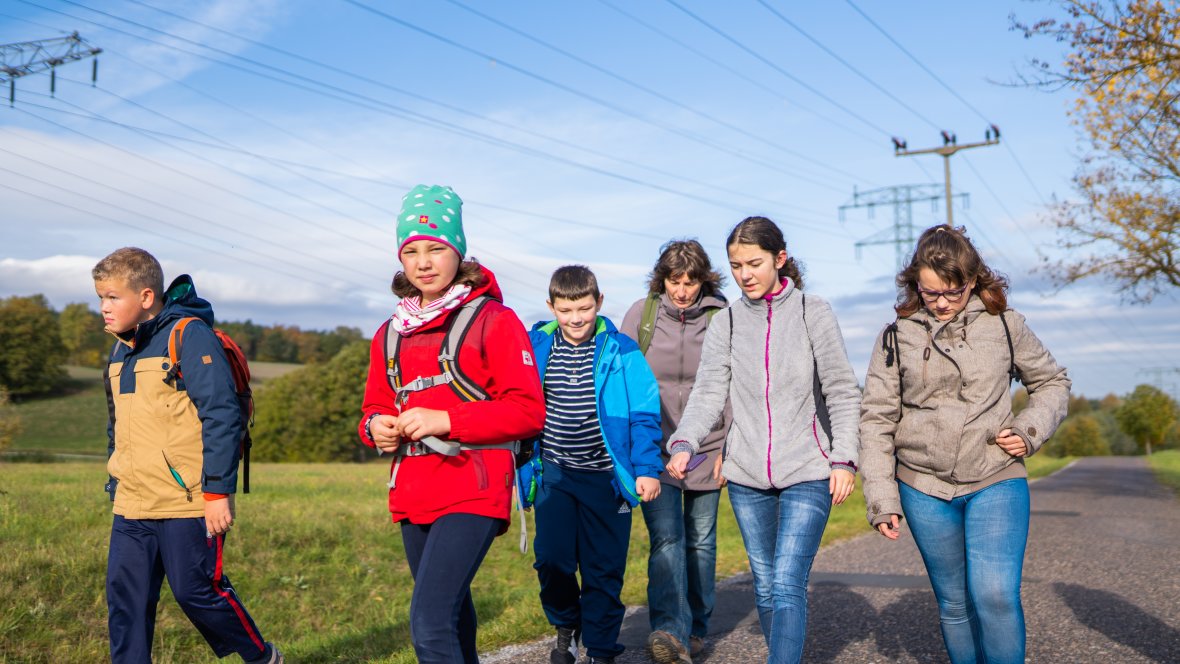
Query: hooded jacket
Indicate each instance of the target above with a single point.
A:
(495, 354)
(931, 419)
(769, 357)
(674, 355)
(627, 399)
(169, 444)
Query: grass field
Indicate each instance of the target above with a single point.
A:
(1166, 465)
(314, 557)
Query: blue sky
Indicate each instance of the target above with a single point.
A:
(264, 148)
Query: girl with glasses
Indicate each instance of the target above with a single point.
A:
(939, 442)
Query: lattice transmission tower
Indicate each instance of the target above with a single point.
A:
(32, 57)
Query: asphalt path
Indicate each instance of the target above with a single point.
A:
(1101, 584)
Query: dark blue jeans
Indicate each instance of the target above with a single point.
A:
(973, 547)
(444, 557)
(782, 529)
(583, 526)
(682, 564)
(142, 553)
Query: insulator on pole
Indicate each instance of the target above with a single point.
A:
(53, 82)
(94, 73)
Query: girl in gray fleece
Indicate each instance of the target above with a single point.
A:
(791, 453)
(940, 443)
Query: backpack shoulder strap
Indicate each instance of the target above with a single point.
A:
(647, 324)
(1013, 370)
(448, 357)
(175, 337)
(889, 345)
(392, 368)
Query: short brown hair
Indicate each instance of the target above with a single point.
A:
(573, 282)
(767, 236)
(949, 253)
(137, 268)
(469, 273)
(679, 257)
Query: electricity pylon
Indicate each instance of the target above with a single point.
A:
(32, 57)
(949, 147)
(901, 197)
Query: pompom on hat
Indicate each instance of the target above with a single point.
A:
(432, 213)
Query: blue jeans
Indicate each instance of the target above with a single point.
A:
(682, 564)
(444, 557)
(973, 547)
(782, 529)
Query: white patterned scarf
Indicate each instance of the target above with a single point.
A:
(411, 315)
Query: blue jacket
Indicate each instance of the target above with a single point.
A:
(169, 443)
(628, 401)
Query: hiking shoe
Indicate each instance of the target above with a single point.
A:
(696, 645)
(667, 649)
(566, 649)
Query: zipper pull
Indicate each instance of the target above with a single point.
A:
(188, 494)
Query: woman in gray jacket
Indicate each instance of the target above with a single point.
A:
(941, 445)
(684, 294)
(779, 358)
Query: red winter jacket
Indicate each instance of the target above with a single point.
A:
(497, 355)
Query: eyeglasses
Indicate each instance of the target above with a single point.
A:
(952, 295)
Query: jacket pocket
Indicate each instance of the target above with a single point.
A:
(180, 476)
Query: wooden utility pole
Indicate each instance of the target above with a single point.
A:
(949, 147)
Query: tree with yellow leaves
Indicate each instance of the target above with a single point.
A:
(1124, 63)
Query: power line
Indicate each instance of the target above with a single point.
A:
(847, 64)
(417, 95)
(658, 95)
(384, 107)
(775, 94)
(763, 59)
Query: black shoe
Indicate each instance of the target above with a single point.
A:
(566, 649)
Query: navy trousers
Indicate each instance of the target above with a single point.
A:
(444, 557)
(582, 525)
(144, 551)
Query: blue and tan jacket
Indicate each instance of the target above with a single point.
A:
(628, 401)
(169, 444)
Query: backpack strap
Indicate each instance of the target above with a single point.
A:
(817, 390)
(1013, 371)
(174, 339)
(647, 324)
(457, 329)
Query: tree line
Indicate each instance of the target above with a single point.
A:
(1146, 419)
(37, 342)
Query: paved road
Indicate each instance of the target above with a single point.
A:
(1101, 584)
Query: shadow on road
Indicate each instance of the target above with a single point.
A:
(1121, 621)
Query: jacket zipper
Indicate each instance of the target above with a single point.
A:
(188, 493)
(769, 416)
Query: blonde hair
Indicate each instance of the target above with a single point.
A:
(135, 267)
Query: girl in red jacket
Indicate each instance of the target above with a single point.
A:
(448, 422)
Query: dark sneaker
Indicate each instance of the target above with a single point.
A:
(696, 645)
(667, 649)
(565, 651)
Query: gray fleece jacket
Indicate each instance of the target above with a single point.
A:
(931, 419)
(766, 356)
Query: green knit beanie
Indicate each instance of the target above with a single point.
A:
(432, 213)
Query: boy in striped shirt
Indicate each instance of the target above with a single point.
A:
(600, 458)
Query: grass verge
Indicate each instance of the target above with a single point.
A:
(1166, 465)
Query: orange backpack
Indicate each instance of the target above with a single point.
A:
(241, 372)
